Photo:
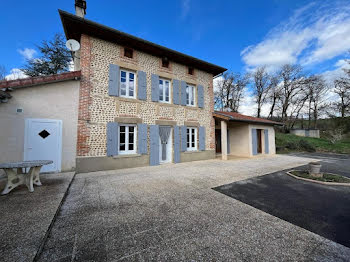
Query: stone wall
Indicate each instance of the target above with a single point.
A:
(96, 107)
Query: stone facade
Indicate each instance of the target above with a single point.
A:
(96, 107)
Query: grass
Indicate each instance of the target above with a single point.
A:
(286, 143)
(325, 178)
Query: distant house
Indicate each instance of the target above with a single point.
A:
(129, 103)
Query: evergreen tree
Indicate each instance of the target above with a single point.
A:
(54, 59)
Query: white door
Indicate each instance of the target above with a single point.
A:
(169, 149)
(43, 141)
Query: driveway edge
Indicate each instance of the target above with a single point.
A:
(316, 181)
(43, 241)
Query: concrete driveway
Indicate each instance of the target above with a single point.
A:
(171, 213)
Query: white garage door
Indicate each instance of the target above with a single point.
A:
(43, 141)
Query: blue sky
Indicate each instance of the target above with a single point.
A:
(238, 35)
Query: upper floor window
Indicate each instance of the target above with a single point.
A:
(165, 62)
(127, 84)
(191, 138)
(190, 95)
(191, 71)
(127, 139)
(128, 52)
(164, 90)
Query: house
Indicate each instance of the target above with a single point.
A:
(129, 103)
(139, 103)
(244, 136)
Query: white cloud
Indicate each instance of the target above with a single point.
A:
(313, 34)
(27, 53)
(336, 73)
(15, 73)
(185, 8)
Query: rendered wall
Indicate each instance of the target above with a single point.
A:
(49, 101)
(271, 132)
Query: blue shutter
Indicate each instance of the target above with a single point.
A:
(266, 133)
(141, 85)
(141, 139)
(228, 141)
(254, 141)
(176, 144)
(113, 86)
(112, 138)
(176, 92)
(183, 93)
(155, 87)
(183, 138)
(202, 138)
(200, 96)
(154, 145)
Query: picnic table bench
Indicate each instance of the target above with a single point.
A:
(16, 177)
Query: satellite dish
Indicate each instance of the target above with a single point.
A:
(73, 45)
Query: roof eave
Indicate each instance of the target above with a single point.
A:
(75, 26)
(232, 119)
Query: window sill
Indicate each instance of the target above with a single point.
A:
(192, 152)
(128, 99)
(127, 156)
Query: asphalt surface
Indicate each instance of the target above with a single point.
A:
(322, 209)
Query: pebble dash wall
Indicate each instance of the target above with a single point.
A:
(96, 107)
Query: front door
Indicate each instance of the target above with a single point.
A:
(218, 140)
(43, 141)
(165, 149)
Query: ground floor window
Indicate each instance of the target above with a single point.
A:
(191, 138)
(127, 139)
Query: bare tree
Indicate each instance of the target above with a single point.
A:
(229, 91)
(292, 81)
(273, 94)
(342, 89)
(261, 85)
(316, 89)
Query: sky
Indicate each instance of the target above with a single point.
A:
(237, 35)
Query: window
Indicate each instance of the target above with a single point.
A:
(190, 95)
(128, 52)
(191, 71)
(127, 139)
(127, 84)
(191, 139)
(165, 62)
(164, 91)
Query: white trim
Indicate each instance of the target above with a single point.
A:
(27, 126)
(191, 92)
(127, 82)
(127, 152)
(191, 148)
(163, 101)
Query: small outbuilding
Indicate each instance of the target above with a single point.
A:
(243, 136)
(39, 119)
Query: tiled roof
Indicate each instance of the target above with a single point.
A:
(75, 26)
(39, 80)
(232, 116)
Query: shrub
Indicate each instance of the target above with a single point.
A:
(292, 145)
(305, 145)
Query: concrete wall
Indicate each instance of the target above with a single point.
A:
(50, 101)
(272, 145)
(306, 132)
(239, 139)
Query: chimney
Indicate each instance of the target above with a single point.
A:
(80, 8)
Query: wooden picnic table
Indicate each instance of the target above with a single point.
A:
(16, 177)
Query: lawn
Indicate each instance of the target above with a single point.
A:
(286, 143)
